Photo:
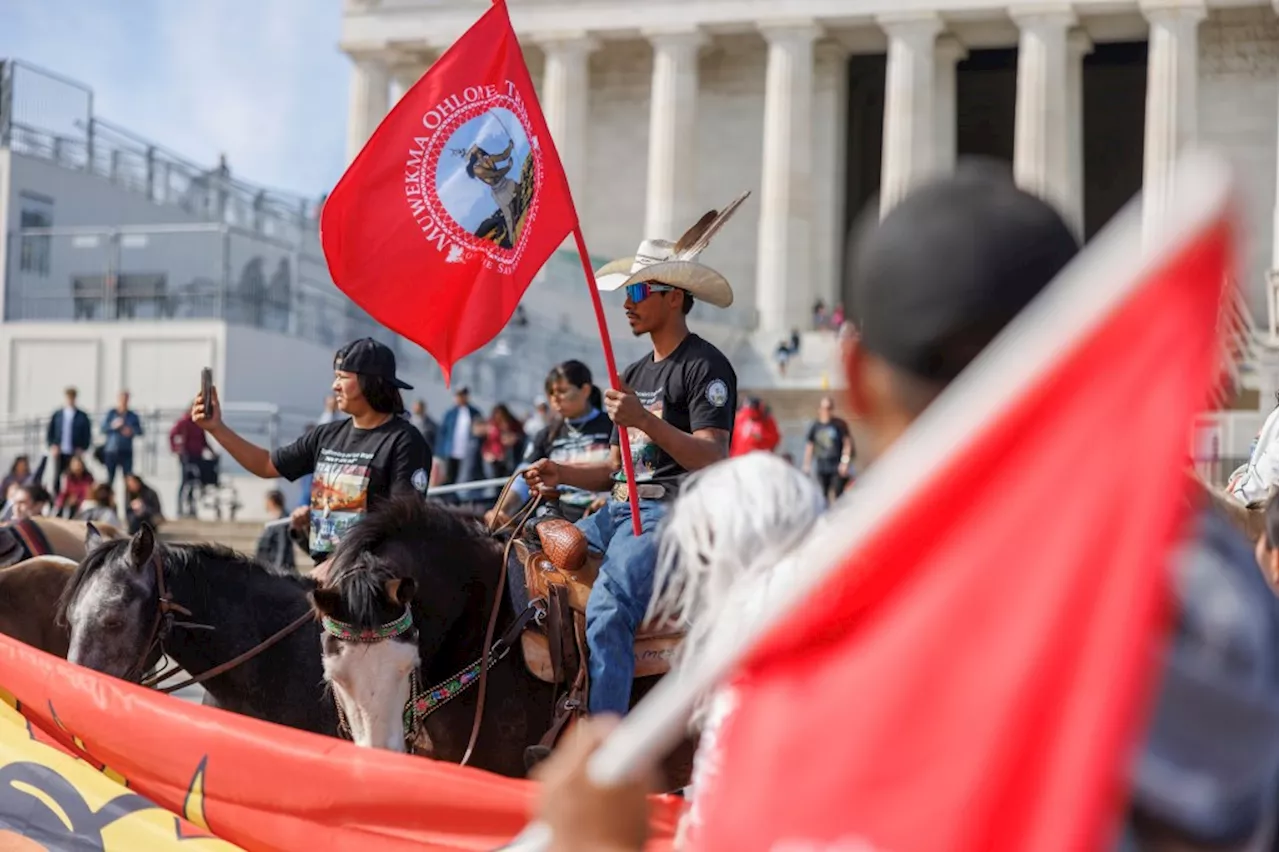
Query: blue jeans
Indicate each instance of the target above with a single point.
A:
(619, 598)
(118, 461)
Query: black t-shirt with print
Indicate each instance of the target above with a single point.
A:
(693, 388)
(582, 441)
(828, 443)
(351, 468)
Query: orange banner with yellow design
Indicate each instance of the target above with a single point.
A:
(51, 800)
(154, 772)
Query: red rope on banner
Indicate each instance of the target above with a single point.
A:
(623, 443)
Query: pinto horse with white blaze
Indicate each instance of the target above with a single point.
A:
(406, 604)
(404, 608)
(244, 630)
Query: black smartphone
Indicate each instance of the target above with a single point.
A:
(206, 388)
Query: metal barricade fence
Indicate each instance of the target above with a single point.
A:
(263, 424)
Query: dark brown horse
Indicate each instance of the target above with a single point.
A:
(29, 593)
(227, 605)
(443, 569)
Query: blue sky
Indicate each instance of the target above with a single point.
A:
(262, 81)
(467, 199)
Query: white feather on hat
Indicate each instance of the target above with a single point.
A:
(675, 263)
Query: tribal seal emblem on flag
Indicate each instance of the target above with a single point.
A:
(471, 183)
(441, 222)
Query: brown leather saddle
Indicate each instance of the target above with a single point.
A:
(21, 540)
(559, 569)
(562, 571)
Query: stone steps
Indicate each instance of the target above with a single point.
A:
(795, 408)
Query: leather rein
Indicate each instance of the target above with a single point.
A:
(164, 622)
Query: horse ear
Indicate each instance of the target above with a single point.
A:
(142, 545)
(400, 590)
(92, 538)
(324, 601)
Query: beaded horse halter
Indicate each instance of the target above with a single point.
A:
(422, 702)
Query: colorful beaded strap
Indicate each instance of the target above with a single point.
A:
(422, 703)
(351, 633)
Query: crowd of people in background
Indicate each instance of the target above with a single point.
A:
(468, 445)
(63, 484)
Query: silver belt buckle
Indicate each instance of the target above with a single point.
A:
(644, 491)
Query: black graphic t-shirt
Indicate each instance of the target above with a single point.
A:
(693, 388)
(585, 440)
(828, 443)
(352, 467)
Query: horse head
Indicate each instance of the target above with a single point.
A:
(111, 605)
(397, 586)
(370, 648)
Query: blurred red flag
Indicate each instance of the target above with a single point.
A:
(439, 225)
(974, 676)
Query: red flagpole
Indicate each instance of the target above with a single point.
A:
(623, 443)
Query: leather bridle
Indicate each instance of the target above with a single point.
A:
(164, 622)
(516, 524)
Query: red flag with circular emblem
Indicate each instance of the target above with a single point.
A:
(440, 223)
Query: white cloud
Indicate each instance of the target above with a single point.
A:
(259, 80)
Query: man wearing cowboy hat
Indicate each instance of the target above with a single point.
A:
(369, 456)
(677, 406)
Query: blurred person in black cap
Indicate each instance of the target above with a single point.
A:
(932, 285)
(355, 461)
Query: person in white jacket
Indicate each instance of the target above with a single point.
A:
(1253, 481)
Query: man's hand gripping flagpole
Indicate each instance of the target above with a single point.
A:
(624, 443)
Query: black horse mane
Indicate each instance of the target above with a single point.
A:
(406, 519)
(176, 558)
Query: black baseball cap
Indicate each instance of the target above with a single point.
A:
(368, 357)
(949, 267)
(1209, 763)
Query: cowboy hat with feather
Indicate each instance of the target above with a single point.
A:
(675, 264)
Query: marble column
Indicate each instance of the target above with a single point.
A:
(1040, 138)
(368, 101)
(784, 268)
(673, 142)
(1172, 76)
(830, 158)
(909, 144)
(1078, 46)
(403, 76)
(565, 93)
(948, 51)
